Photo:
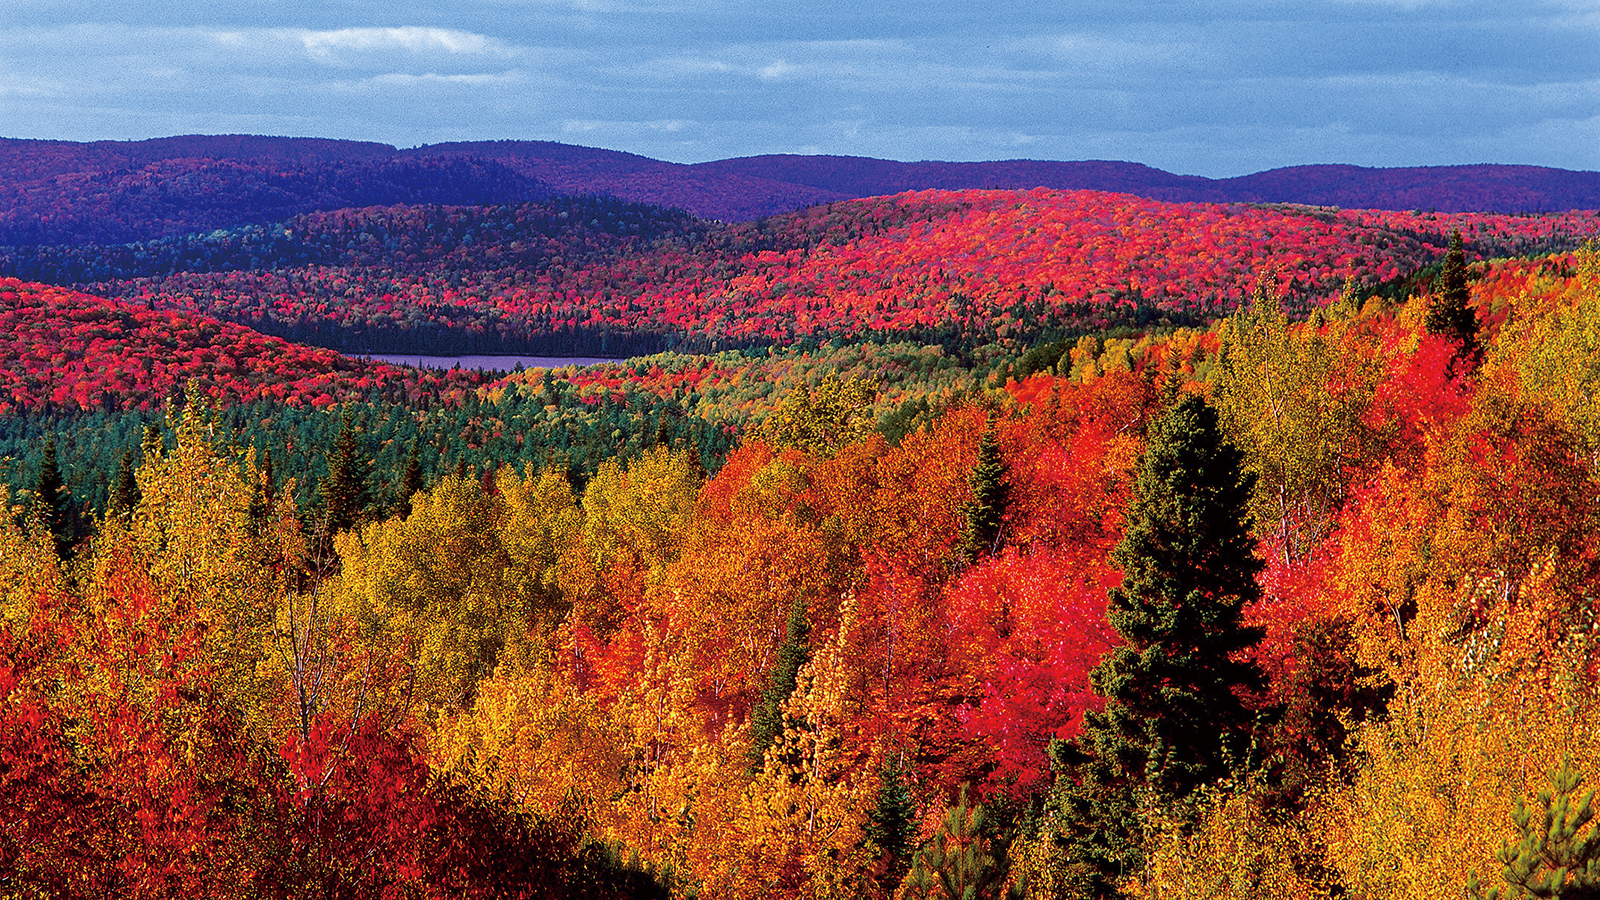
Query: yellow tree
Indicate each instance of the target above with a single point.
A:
(437, 585)
(1292, 397)
(801, 825)
(194, 537)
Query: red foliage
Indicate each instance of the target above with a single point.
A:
(73, 349)
(981, 263)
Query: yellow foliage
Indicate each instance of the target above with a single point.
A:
(1234, 850)
(28, 569)
(821, 419)
(641, 511)
(541, 518)
(1292, 397)
(800, 830)
(532, 737)
(194, 538)
(1553, 346)
(436, 583)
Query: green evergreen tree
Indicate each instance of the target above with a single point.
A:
(766, 720)
(957, 863)
(263, 492)
(345, 493)
(52, 501)
(892, 823)
(1174, 718)
(125, 491)
(1557, 854)
(411, 480)
(990, 495)
(1450, 314)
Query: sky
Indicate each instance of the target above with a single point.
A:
(1203, 88)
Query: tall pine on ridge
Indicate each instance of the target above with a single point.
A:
(1174, 718)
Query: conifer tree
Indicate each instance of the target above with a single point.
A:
(1174, 718)
(766, 720)
(51, 501)
(345, 493)
(891, 824)
(411, 480)
(989, 497)
(125, 490)
(1557, 854)
(1449, 314)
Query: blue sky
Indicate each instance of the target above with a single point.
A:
(1216, 89)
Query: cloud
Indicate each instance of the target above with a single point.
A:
(411, 38)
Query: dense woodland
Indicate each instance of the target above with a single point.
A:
(1192, 551)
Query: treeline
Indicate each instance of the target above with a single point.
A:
(544, 424)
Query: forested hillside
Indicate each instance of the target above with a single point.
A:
(958, 627)
(601, 277)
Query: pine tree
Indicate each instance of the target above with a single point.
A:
(344, 493)
(1174, 718)
(1557, 854)
(957, 863)
(51, 499)
(891, 823)
(766, 720)
(989, 497)
(1450, 314)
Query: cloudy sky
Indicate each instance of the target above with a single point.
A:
(1206, 88)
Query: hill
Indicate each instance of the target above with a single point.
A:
(75, 350)
(111, 191)
(602, 277)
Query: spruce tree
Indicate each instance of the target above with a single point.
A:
(411, 480)
(1174, 718)
(766, 720)
(989, 497)
(125, 490)
(344, 493)
(891, 824)
(50, 499)
(1450, 314)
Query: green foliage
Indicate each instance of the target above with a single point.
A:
(51, 504)
(125, 491)
(345, 492)
(1557, 855)
(956, 864)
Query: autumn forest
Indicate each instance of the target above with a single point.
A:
(952, 544)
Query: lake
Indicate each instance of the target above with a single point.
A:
(485, 363)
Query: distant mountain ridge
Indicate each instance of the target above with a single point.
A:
(66, 192)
